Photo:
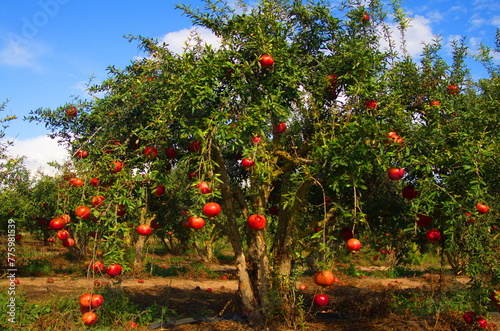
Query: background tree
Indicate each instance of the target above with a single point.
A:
(4, 156)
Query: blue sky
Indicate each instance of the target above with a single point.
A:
(50, 48)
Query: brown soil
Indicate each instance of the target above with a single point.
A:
(356, 303)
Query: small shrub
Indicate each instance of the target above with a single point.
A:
(38, 267)
(172, 271)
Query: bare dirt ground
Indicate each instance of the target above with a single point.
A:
(357, 303)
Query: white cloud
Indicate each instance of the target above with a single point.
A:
(453, 37)
(475, 42)
(178, 40)
(458, 8)
(81, 86)
(419, 32)
(486, 5)
(477, 21)
(435, 16)
(22, 54)
(448, 43)
(39, 151)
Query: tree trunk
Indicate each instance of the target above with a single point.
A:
(285, 236)
(206, 251)
(139, 244)
(164, 241)
(78, 251)
(139, 253)
(247, 291)
(259, 269)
